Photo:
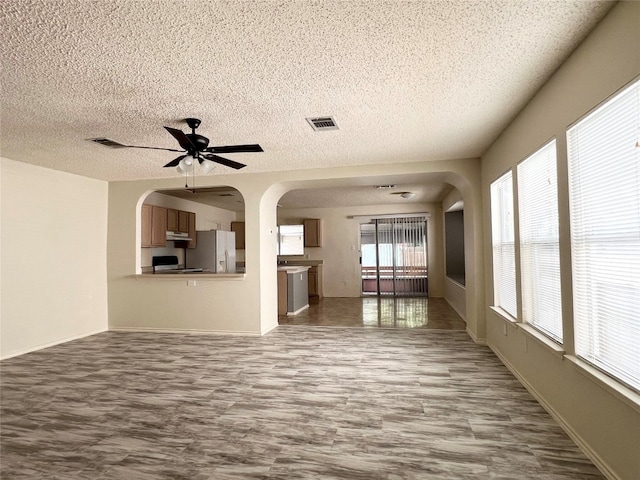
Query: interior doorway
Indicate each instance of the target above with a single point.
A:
(394, 256)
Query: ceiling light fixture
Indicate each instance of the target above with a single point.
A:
(407, 195)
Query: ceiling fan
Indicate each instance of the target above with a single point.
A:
(197, 147)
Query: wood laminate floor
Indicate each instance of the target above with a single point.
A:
(385, 312)
(302, 402)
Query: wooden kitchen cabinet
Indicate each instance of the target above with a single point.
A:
(315, 281)
(154, 226)
(177, 220)
(146, 221)
(172, 220)
(183, 221)
(158, 226)
(238, 227)
(312, 232)
(282, 293)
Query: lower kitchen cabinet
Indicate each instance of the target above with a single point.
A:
(282, 293)
(315, 281)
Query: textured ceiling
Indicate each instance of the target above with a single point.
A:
(405, 81)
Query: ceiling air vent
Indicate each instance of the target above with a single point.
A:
(107, 143)
(322, 123)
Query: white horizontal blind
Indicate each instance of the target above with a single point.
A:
(539, 242)
(604, 188)
(503, 242)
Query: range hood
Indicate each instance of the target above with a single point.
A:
(178, 236)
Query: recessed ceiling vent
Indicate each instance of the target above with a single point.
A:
(108, 143)
(322, 123)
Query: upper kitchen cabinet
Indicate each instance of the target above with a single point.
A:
(177, 221)
(312, 232)
(146, 219)
(154, 226)
(172, 220)
(183, 221)
(238, 227)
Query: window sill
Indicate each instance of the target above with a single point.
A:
(612, 386)
(542, 339)
(457, 281)
(503, 313)
(531, 332)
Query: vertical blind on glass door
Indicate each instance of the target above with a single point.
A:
(503, 243)
(539, 242)
(604, 189)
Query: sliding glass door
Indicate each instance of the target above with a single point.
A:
(394, 256)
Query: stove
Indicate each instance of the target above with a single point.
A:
(169, 264)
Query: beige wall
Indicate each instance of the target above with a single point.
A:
(54, 249)
(603, 419)
(249, 305)
(341, 242)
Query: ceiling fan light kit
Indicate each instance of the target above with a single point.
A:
(194, 147)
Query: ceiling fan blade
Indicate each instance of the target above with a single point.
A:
(175, 162)
(183, 140)
(235, 149)
(224, 161)
(155, 148)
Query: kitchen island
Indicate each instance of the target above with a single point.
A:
(293, 293)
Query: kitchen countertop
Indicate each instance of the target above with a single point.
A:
(311, 263)
(191, 276)
(293, 268)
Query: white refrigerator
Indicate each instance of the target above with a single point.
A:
(215, 251)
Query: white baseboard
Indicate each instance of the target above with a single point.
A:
(182, 331)
(584, 446)
(456, 309)
(268, 328)
(475, 338)
(298, 310)
(52, 344)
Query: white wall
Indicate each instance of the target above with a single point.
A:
(54, 249)
(341, 242)
(603, 418)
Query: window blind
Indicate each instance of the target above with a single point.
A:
(604, 189)
(503, 243)
(539, 242)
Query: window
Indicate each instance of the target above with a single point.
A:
(539, 242)
(604, 193)
(502, 238)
